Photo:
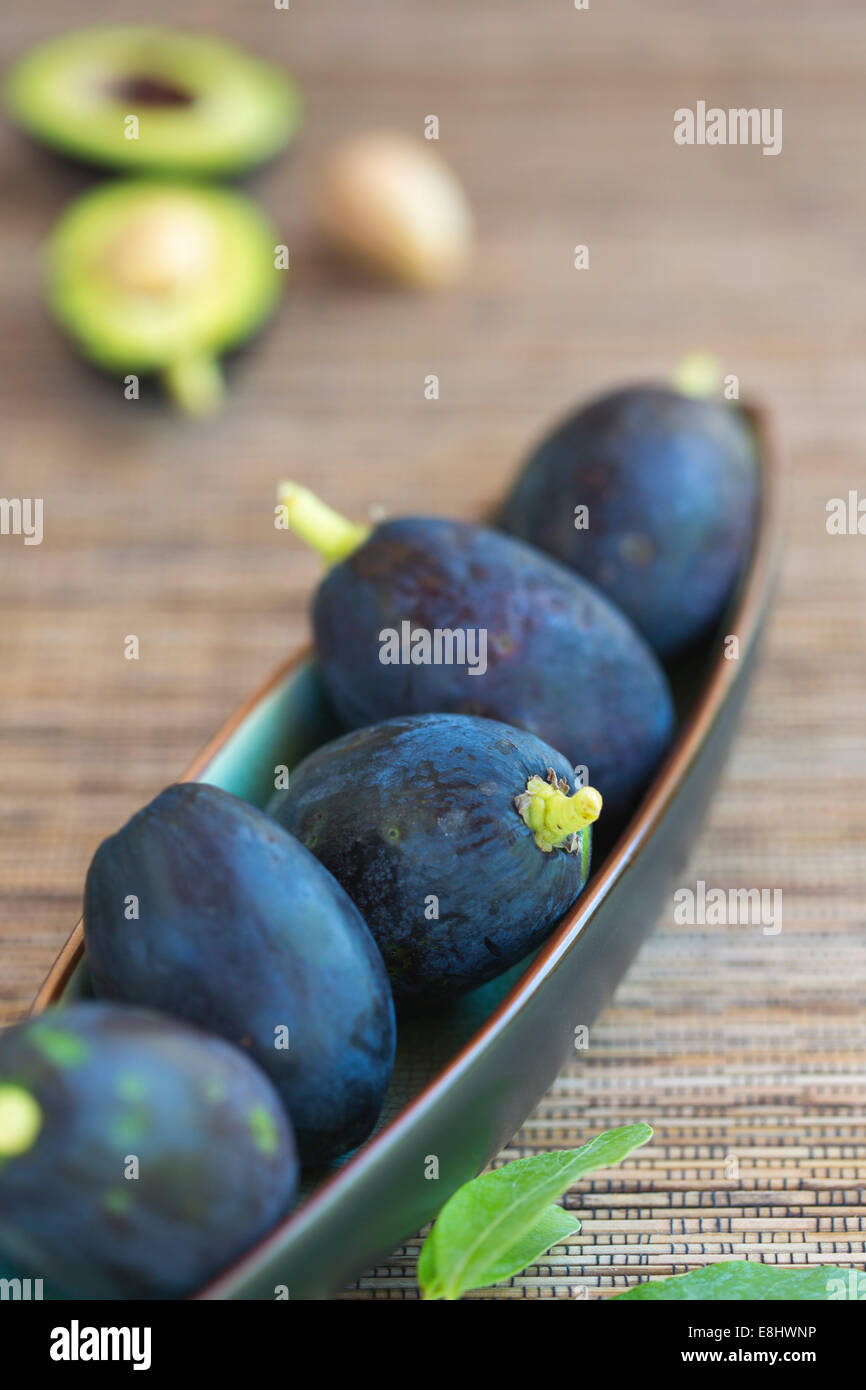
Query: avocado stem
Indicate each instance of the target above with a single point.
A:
(553, 815)
(699, 375)
(195, 384)
(333, 536)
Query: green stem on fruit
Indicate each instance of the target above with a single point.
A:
(333, 536)
(554, 816)
(20, 1120)
(698, 374)
(195, 384)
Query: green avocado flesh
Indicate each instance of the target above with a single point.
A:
(151, 276)
(202, 107)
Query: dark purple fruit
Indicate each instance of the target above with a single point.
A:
(138, 1156)
(459, 839)
(428, 615)
(205, 909)
(670, 485)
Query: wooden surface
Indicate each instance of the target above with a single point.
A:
(747, 1053)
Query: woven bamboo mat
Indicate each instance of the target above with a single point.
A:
(747, 1053)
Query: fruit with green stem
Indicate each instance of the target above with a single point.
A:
(665, 485)
(461, 840)
(520, 639)
(138, 1155)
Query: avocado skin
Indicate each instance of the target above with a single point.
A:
(424, 805)
(133, 1083)
(671, 484)
(242, 931)
(562, 662)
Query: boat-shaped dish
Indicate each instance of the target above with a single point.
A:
(465, 1080)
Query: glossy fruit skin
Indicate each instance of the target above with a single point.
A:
(562, 662)
(671, 484)
(424, 805)
(243, 932)
(217, 1165)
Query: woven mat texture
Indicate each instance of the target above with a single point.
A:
(746, 1052)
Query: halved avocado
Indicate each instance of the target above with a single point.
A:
(155, 276)
(202, 107)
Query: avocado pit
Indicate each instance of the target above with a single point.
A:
(162, 249)
(150, 91)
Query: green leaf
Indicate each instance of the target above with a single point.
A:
(554, 1226)
(426, 1271)
(734, 1280)
(493, 1226)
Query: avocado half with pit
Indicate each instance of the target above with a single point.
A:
(149, 276)
(201, 107)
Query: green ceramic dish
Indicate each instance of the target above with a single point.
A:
(461, 1088)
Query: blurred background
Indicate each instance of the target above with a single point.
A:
(559, 123)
